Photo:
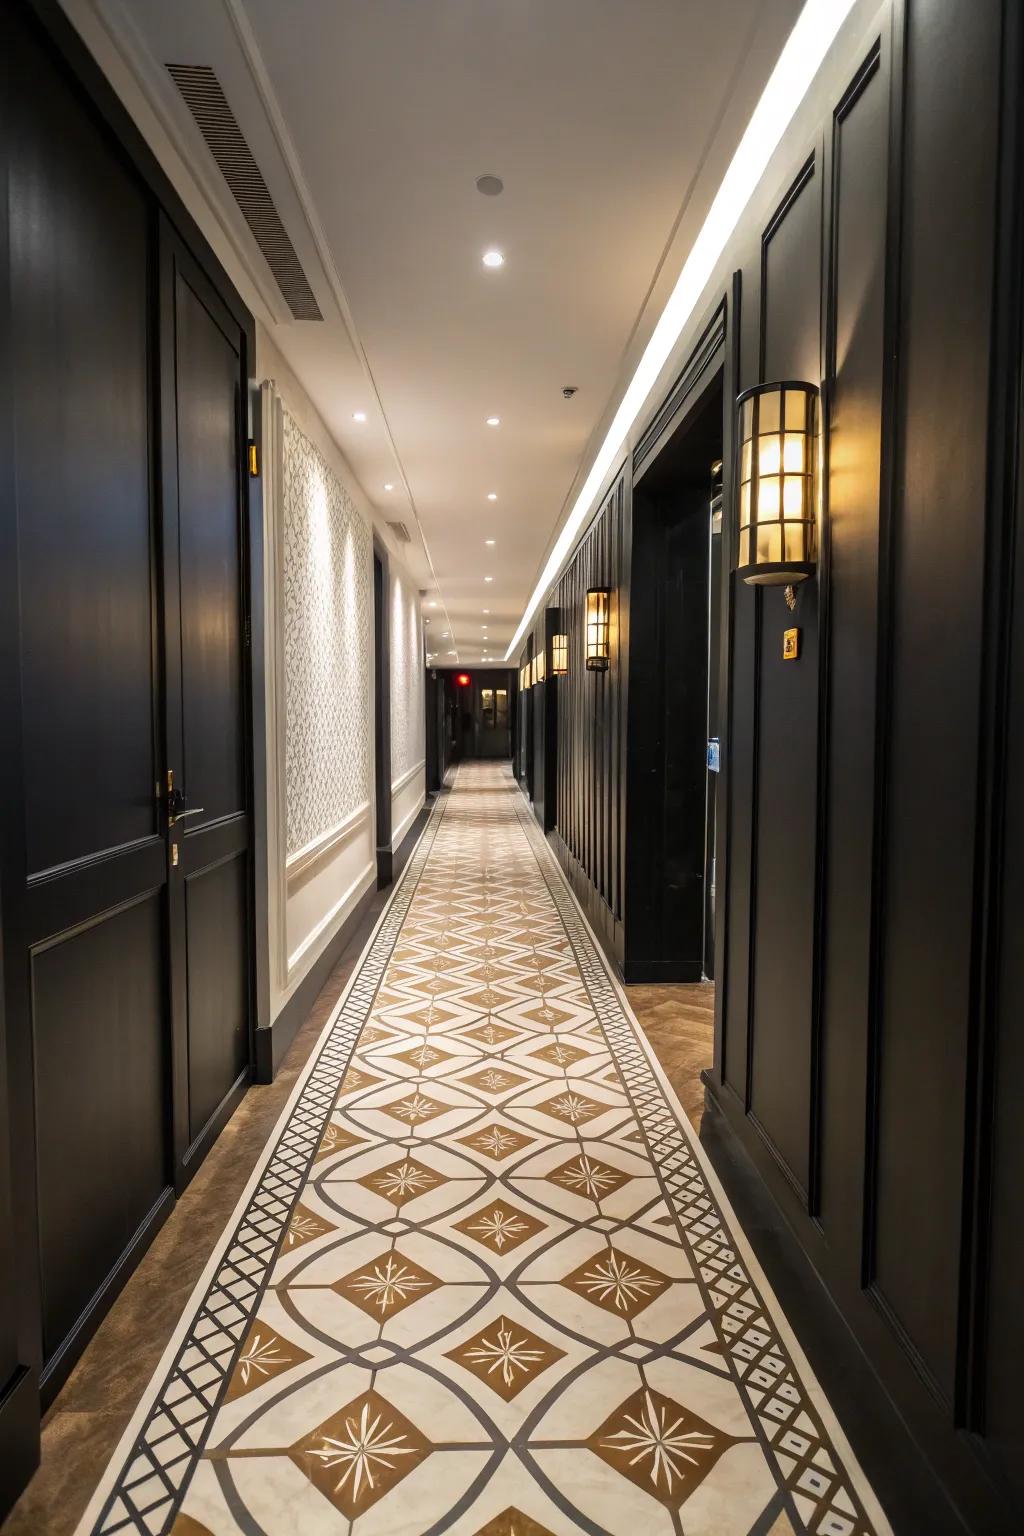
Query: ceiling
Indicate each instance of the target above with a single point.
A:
(609, 122)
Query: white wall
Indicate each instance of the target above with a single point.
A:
(318, 547)
(408, 721)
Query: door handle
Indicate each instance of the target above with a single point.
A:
(196, 810)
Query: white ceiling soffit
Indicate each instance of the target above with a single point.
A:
(611, 124)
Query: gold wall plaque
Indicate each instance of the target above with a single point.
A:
(790, 644)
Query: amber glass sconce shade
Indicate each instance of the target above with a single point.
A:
(778, 513)
(598, 626)
(559, 655)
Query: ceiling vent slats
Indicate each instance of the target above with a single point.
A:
(205, 99)
(401, 532)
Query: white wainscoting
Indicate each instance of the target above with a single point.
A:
(407, 796)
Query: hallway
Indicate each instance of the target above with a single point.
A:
(480, 1282)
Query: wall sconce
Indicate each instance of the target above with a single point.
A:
(598, 625)
(559, 655)
(524, 676)
(539, 666)
(778, 511)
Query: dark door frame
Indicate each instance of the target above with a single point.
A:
(382, 712)
(19, 1387)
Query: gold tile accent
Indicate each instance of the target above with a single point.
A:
(506, 1356)
(499, 1226)
(360, 1453)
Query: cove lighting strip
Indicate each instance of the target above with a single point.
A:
(797, 65)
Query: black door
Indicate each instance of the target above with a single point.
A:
(206, 784)
(92, 911)
(123, 685)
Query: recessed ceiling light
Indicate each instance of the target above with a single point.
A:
(358, 415)
(431, 605)
(488, 578)
(388, 485)
(453, 653)
(485, 610)
(493, 259)
(492, 495)
(490, 185)
(494, 421)
(488, 541)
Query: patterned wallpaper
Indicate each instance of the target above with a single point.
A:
(328, 638)
(407, 666)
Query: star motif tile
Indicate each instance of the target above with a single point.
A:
(499, 1226)
(588, 1176)
(617, 1282)
(415, 1108)
(305, 1227)
(357, 1455)
(497, 1141)
(494, 1080)
(402, 1181)
(387, 1285)
(572, 1107)
(661, 1446)
(506, 1356)
(265, 1355)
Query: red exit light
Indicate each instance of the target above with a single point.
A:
(463, 679)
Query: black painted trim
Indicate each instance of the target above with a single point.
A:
(705, 355)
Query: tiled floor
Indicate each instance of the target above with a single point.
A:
(483, 1282)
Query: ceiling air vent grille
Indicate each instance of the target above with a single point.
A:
(206, 101)
(401, 532)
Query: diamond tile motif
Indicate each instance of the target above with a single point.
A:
(617, 1282)
(587, 1175)
(491, 1034)
(499, 1226)
(494, 1080)
(360, 1453)
(666, 1449)
(402, 1181)
(265, 1354)
(497, 1142)
(559, 1054)
(512, 1522)
(304, 1227)
(415, 1109)
(355, 1080)
(387, 1285)
(422, 1056)
(506, 1356)
(571, 1107)
(336, 1138)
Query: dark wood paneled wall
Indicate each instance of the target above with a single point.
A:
(591, 782)
(874, 855)
(870, 1039)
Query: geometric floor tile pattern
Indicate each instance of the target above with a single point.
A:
(481, 1283)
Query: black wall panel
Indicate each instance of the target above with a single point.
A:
(779, 1062)
(591, 789)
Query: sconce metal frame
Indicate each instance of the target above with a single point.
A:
(778, 510)
(598, 630)
(559, 655)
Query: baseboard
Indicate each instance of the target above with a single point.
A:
(58, 1368)
(637, 971)
(273, 1042)
(19, 1436)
